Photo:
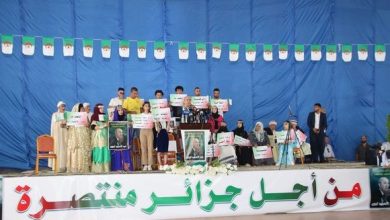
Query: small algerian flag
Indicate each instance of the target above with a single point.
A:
(106, 48)
(159, 50)
(124, 48)
(316, 53)
(299, 52)
(201, 51)
(283, 51)
(268, 52)
(68, 47)
(217, 48)
(88, 47)
(28, 47)
(362, 51)
(48, 46)
(346, 52)
(141, 49)
(183, 50)
(250, 52)
(380, 52)
(7, 44)
(233, 52)
(331, 52)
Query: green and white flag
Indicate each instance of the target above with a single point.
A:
(159, 50)
(183, 50)
(106, 48)
(7, 44)
(28, 45)
(380, 52)
(362, 51)
(346, 52)
(48, 46)
(124, 50)
(217, 48)
(141, 49)
(68, 47)
(268, 52)
(299, 52)
(234, 52)
(250, 52)
(201, 51)
(331, 52)
(283, 51)
(316, 53)
(88, 47)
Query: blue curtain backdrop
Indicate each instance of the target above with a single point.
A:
(355, 95)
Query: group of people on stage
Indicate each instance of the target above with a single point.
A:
(83, 149)
(373, 154)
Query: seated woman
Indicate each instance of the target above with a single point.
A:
(244, 153)
(286, 149)
(121, 159)
(259, 137)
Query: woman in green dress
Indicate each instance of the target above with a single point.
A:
(100, 151)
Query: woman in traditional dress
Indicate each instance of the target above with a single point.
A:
(121, 159)
(100, 151)
(259, 137)
(244, 153)
(79, 145)
(59, 132)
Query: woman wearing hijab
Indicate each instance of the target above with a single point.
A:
(100, 151)
(215, 120)
(120, 159)
(244, 153)
(59, 132)
(286, 149)
(79, 146)
(259, 137)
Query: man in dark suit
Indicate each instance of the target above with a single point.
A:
(317, 123)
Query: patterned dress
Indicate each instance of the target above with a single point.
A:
(101, 157)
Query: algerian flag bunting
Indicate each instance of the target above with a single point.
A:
(201, 51)
(106, 48)
(316, 53)
(28, 45)
(380, 52)
(7, 42)
(331, 52)
(183, 50)
(299, 52)
(88, 47)
(283, 51)
(250, 52)
(48, 46)
(217, 48)
(124, 50)
(68, 47)
(346, 52)
(268, 52)
(233, 52)
(141, 49)
(362, 51)
(159, 50)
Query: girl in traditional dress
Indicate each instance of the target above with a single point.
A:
(120, 159)
(100, 151)
(79, 145)
(286, 155)
(59, 132)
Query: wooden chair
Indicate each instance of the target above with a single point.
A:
(298, 150)
(45, 149)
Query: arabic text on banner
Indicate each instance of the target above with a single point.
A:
(200, 102)
(262, 152)
(158, 103)
(225, 138)
(142, 120)
(240, 141)
(221, 104)
(76, 119)
(162, 114)
(177, 99)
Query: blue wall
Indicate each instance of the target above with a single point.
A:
(355, 95)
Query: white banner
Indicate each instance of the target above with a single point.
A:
(177, 99)
(157, 196)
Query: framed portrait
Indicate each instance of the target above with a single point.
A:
(118, 135)
(195, 144)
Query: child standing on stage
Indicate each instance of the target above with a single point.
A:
(286, 149)
(146, 138)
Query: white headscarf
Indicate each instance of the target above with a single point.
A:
(60, 103)
(259, 134)
(76, 107)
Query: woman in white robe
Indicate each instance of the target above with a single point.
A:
(59, 132)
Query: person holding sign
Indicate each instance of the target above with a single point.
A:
(146, 138)
(114, 102)
(259, 138)
(120, 158)
(215, 120)
(59, 132)
(79, 144)
(244, 153)
(100, 151)
(176, 108)
(133, 105)
(286, 147)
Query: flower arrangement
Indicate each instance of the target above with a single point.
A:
(215, 168)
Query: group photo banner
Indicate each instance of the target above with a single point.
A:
(156, 196)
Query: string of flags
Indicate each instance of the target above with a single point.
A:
(331, 50)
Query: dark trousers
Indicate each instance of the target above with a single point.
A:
(317, 147)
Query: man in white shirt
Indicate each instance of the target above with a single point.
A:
(114, 102)
(317, 123)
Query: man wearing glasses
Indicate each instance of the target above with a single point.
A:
(114, 102)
